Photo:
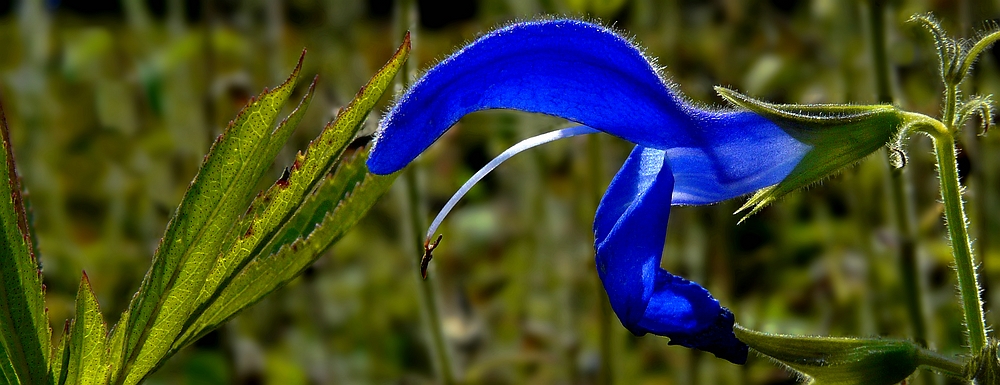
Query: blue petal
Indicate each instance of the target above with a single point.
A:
(585, 73)
(630, 228)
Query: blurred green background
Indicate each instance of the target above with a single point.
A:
(112, 105)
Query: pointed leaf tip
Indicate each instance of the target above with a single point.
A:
(87, 359)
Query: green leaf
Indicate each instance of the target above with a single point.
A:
(838, 361)
(60, 357)
(214, 238)
(840, 135)
(194, 236)
(273, 215)
(7, 374)
(114, 354)
(87, 337)
(265, 274)
(335, 188)
(24, 325)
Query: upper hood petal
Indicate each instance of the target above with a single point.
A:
(588, 74)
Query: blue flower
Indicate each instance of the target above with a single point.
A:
(684, 155)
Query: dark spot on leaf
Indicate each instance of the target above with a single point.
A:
(285, 176)
(248, 233)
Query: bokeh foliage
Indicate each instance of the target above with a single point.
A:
(112, 111)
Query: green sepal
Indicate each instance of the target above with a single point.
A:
(840, 135)
(838, 361)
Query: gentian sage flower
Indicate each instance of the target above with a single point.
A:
(685, 154)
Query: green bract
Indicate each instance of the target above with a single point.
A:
(843, 361)
(840, 135)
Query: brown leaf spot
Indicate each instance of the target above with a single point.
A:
(284, 179)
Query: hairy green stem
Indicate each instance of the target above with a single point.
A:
(951, 194)
(950, 100)
(428, 292)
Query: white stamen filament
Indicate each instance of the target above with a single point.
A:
(510, 152)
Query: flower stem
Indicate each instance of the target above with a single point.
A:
(951, 194)
(900, 195)
(950, 100)
(941, 363)
(428, 294)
